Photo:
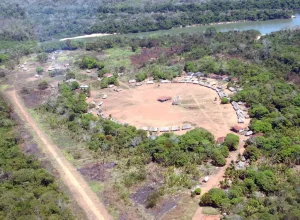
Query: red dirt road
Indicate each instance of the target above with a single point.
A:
(214, 180)
(81, 192)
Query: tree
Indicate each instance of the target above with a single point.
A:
(39, 70)
(141, 77)
(152, 199)
(190, 67)
(134, 48)
(42, 57)
(266, 181)
(90, 63)
(218, 159)
(211, 31)
(261, 126)
(74, 85)
(43, 85)
(231, 141)
(252, 153)
(258, 111)
(213, 197)
(70, 75)
(208, 64)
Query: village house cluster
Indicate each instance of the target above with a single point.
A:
(197, 78)
(239, 112)
(167, 129)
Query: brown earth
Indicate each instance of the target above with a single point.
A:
(139, 107)
(153, 54)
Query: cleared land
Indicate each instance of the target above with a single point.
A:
(139, 107)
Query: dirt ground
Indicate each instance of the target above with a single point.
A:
(139, 107)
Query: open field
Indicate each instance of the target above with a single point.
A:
(139, 107)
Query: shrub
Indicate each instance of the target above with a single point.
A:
(39, 70)
(224, 151)
(90, 63)
(141, 77)
(43, 85)
(251, 153)
(2, 73)
(218, 159)
(3, 58)
(214, 197)
(152, 200)
(74, 85)
(197, 191)
(231, 141)
(134, 177)
(224, 101)
(70, 75)
(42, 57)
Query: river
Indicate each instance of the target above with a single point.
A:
(264, 27)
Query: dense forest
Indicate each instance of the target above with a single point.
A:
(267, 70)
(151, 17)
(27, 191)
(46, 20)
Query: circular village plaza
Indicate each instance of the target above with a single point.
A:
(175, 106)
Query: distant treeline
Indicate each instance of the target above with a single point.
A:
(154, 22)
(49, 19)
(215, 6)
(125, 18)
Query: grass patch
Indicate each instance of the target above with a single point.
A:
(96, 186)
(3, 87)
(68, 156)
(34, 114)
(119, 57)
(63, 58)
(210, 211)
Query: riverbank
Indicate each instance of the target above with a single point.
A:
(218, 23)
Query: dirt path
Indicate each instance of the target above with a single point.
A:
(222, 116)
(81, 191)
(214, 180)
(213, 123)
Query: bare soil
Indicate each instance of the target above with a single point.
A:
(153, 54)
(139, 107)
(97, 171)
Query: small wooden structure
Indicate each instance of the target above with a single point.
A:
(108, 75)
(164, 98)
(237, 129)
